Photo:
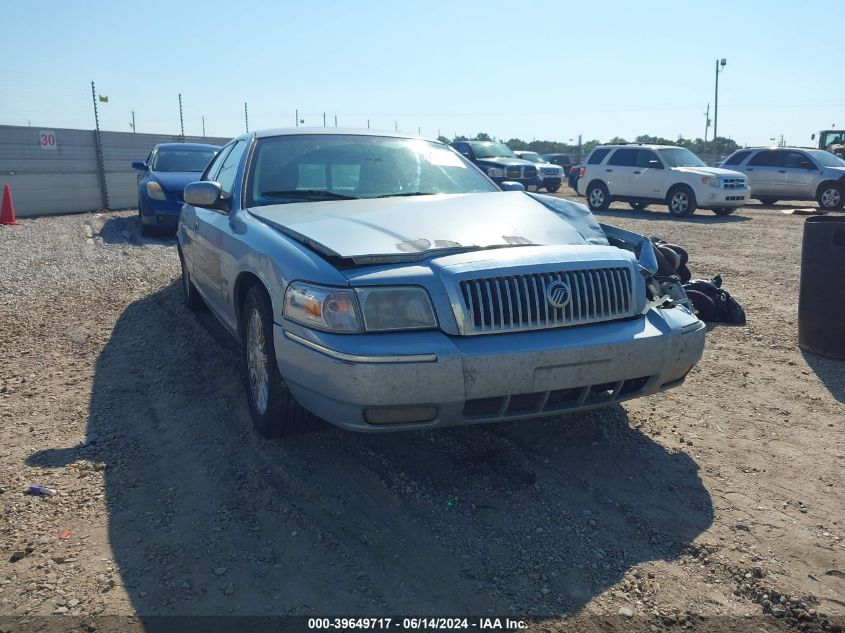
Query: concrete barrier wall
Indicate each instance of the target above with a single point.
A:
(55, 170)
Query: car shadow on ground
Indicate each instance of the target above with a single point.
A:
(127, 230)
(206, 517)
(662, 215)
(830, 371)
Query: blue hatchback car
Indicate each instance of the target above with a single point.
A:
(168, 168)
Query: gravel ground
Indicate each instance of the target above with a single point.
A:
(719, 504)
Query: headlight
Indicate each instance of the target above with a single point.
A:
(495, 172)
(322, 308)
(713, 181)
(155, 191)
(396, 308)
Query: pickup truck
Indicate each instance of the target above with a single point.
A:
(500, 163)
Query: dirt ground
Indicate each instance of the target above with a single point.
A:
(718, 504)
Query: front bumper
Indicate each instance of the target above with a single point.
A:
(474, 379)
(720, 198)
(161, 213)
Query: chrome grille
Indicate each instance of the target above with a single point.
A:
(518, 302)
(523, 171)
(733, 183)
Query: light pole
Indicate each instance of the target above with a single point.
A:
(720, 66)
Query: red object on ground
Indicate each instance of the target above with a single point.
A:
(7, 211)
(65, 535)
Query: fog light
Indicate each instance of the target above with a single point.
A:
(400, 415)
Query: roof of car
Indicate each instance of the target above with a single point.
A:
(635, 145)
(188, 146)
(293, 131)
(773, 147)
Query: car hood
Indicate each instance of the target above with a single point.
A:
(504, 161)
(712, 171)
(175, 180)
(409, 229)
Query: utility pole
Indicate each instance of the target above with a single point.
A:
(297, 118)
(707, 122)
(368, 124)
(101, 167)
(203, 126)
(579, 149)
(324, 119)
(419, 130)
(132, 125)
(181, 121)
(396, 125)
(720, 66)
(246, 117)
(335, 120)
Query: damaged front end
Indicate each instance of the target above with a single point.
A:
(661, 291)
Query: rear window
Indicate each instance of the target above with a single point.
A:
(736, 159)
(767, 158)
(623, 158)
(598, 156)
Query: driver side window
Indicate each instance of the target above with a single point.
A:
(229, 168)
(214, 167)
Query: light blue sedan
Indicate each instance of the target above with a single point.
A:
(384, 283)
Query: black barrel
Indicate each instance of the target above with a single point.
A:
(821, 305)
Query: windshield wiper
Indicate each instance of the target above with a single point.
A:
(309, 193)
(405, 195)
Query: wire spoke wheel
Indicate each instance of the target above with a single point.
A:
(259, 380)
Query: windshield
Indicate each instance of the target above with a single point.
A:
(182, 160)
(833, 138)
(826, 159)
(534, 158)
(492, 150)
(681, 157)
(311, 167)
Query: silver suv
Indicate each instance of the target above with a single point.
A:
(642, 174)
(792, 173)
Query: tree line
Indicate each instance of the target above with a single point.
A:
(720, 147)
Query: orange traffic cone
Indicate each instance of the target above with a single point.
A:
(7, 211)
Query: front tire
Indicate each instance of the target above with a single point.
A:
(681, 201)
(553, 188)
(598, 198)
(831, 197)
(724, 210)
(273, 409)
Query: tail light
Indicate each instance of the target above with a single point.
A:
(581, 171)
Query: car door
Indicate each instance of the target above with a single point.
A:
(801, 173)
(765, 174)
(648, 175)
(618, 170)
(212, 227)
(189, 222)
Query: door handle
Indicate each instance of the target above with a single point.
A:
(608, 170)
(638, 172)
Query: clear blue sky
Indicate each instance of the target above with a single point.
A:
(545, 70)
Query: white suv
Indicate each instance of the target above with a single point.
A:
(659, 174)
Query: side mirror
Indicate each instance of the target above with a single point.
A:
(139, 165)
(206, 194)
(509, 185)
(656, 164)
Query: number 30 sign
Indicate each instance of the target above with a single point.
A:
(47, 139)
